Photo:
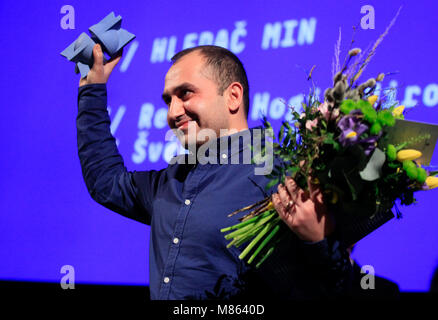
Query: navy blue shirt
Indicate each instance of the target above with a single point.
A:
(186, 205)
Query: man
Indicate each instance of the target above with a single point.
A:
(186, 204)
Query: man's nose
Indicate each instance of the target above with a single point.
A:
(176, 109)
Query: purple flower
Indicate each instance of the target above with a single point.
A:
(369, 144)
(352, 128)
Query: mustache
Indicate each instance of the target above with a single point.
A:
(187, 117)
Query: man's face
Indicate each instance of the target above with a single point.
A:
(192, 98)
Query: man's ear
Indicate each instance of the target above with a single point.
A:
(235, 97)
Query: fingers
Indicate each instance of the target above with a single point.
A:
(311, 187)
(285, 214)
(284, 196)
(315, 193)
(278, 205)
(98, 58)
(110, 65)
(293, 189)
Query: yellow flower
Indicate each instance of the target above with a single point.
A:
(350, 135)
(432, 182)
(398, 111)
(372, 100)
(408, 154)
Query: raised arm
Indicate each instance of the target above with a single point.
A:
(107, 179)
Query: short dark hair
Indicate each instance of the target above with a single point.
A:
(226, 67)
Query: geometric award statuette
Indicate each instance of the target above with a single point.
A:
(81, 53)
(110, 35)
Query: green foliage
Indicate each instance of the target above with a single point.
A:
(385, 118)
(412, 172)
(421, 175)
(408, 164)
(391, 152)
(272, 183)
(376, 128)
(369, 113)
(363, 104)
(347, 106)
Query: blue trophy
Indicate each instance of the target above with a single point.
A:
(108, 33)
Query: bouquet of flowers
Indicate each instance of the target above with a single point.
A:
(343, 144)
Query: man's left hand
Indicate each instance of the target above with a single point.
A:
(303, 211)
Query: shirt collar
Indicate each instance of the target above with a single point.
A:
(222, 149)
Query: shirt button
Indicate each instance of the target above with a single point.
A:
(187, 202)
(175, 240)
(224, 155)
(166, 280)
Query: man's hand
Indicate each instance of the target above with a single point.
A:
(303, 211)
(100, 72)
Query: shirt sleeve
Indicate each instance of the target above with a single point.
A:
(107, 179)
(303, 270)
(327, 267)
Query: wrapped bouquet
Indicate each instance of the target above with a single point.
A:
(343, 143)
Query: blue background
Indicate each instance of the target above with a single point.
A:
(47, 217)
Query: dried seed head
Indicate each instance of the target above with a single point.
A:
(380, 77)
(337, 77)
(354, 52)
(328, 95)
(353, 95)
(357, 75)
(339, 90)
(370, 83)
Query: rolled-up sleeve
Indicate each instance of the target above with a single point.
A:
(108, 181)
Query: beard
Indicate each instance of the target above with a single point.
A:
(192, 137)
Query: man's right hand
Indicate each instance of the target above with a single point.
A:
(100, 72)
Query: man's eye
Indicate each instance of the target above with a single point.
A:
(185, 92)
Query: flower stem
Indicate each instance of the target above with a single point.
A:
(262, 220)
(244, 223)
(270, 251)
(265, 241)
(247, 236)
(257, 239)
